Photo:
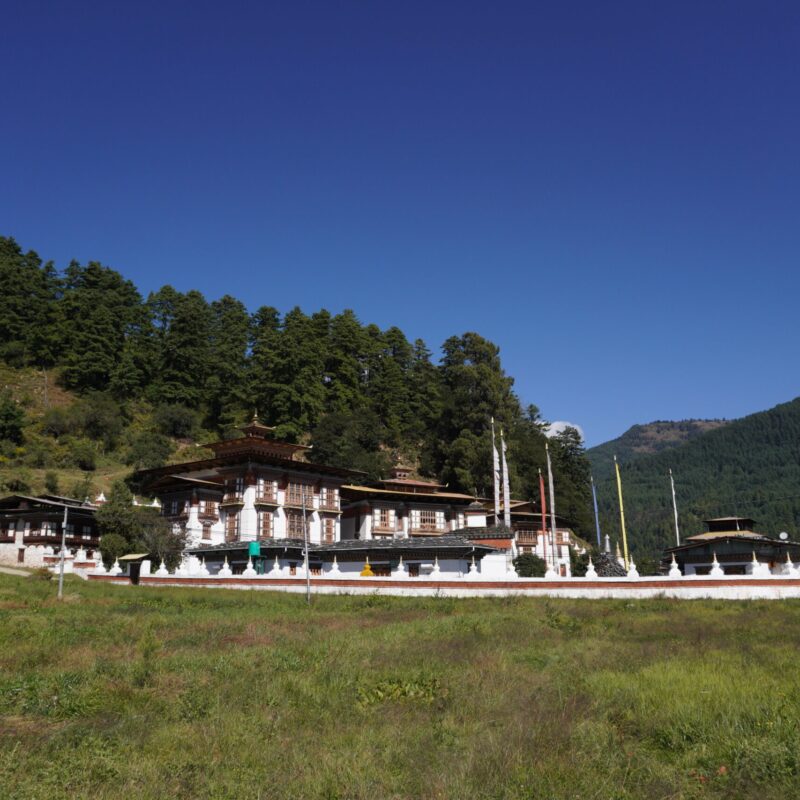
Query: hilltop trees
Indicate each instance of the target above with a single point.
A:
(175, 366)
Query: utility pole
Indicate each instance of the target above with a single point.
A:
(61, 560)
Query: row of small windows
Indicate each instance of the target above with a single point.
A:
(50, 529)
(294, 526)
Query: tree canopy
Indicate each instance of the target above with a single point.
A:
(361, 396)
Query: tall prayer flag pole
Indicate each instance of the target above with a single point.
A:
(621, 515)
(543, 503)
(552, 504)
(675, 511)
(305, 548)
(506, 487)
(596, 515)
(61, 559)
(496, 472)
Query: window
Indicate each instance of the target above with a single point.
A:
(264, 524)
(232, 527)
(297, 493)
(427, 520)
(330, 497)
(383, 519)
(381, 570)
(413, 570)
(294, 524)
(70, 531)
(266, 490)
(208, 508)
(328, 530)
(234, 489)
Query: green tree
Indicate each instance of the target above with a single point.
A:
(118, 514)
(226, 386)
(182, 346)
(98, 309)
(112, 546)
(296, 389)
(29, 292)
(147, 450)
(352, 441)
(157, 538)
(12, 419)
(573, 489)
(474, 389)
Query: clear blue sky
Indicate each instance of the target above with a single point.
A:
(609, 191)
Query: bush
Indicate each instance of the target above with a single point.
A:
(42, 574)
(100, 417)
(51, 482)
(59, 422)
(12, 419)
(19, 481)
(147, 450)
(175, 420)
(82, 454)
(530, 566)
(83, 488)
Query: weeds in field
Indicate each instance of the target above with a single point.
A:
(216, 694)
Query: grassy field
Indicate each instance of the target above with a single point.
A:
(153, 693)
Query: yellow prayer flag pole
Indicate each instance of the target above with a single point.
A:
(621, 515)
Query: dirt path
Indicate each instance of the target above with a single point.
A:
(12, 571)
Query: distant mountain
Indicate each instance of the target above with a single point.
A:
(644, 440)
(748, 467)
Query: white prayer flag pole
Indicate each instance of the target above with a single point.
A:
(496, 473)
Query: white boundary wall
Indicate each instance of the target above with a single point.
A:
(688, 588)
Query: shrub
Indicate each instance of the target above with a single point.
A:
(51, 482)
(82, 454)
(42, 574)
(147, 450)
(12, 419)
(112, 546)
(175, 420)
(82, 488)
(529, 565)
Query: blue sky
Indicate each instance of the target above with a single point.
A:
(609, 191)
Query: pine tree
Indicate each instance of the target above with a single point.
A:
(99, 306)
(345, 362)
(183, 332)
(226, 387)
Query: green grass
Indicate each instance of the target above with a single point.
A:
(153, 693)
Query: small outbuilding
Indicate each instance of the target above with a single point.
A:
(735, 546)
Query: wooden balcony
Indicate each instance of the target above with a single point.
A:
(232, 499)
(330, 505)
(528, 538)
(386, 530)
(296, 501)
(428, 530)
(267, 499)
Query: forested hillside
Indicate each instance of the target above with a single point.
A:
(100, 380)
(748, 467)
(642, 440)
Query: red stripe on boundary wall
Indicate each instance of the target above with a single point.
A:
(410, 583)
